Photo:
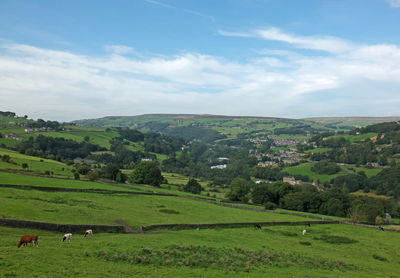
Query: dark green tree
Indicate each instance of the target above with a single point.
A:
(239, 189)
(147, 172)
(192, 186)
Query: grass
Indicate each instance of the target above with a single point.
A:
(305, 169)
(36, 164)
(98, 136)
(370, 172)
(240, 252)
(14, 178)
(371, 194)
(134, 210)
(318, 150)
(356, 138)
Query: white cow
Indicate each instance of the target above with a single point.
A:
(304, 232)
(67, 237)
(88, 232)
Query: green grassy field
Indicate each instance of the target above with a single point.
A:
(36, 164)
(318, 150)
(281, 251)
(305, 169)
(20, 179)
(357, 138)
(134, 210)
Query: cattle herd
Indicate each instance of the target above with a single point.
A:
(34, 238)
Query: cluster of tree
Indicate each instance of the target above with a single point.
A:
(306, 198)
(48, 124)
(291, 130)
(387, 182)
(193, 186)
(152, 142)
(378, 128)
(351, 182)
(205, 135)
(7, 114)
(110, 172)
(121, 156)
(147, 172)
(325, 168)
(62, 148)
(269, 173)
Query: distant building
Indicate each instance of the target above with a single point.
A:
(84, 160)
(222, 166)
(290, 180)
(267, 164)
(222, 158)
(146, 159)
(13, 136)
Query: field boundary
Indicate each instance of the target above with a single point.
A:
(15, 223)
(85, 190)
(233, 225)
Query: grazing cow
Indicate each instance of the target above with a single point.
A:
(380, 228)
(88, 232)
(304, 232)
(67, 237)
(28, 238)
(308, 224)
(257, 226)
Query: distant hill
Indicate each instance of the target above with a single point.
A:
(353, 121)
(216, 127)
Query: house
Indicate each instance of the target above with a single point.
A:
(14, 137)
(146, 159)
(221, 166)
(291, 180)
(267, 164)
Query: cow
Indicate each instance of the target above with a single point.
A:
(28, 238)
(257, 226)
(67, 237)
(380, 228)
(88, 232)
(304, 232)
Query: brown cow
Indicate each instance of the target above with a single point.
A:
(28, 238)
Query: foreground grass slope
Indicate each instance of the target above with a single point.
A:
(326, 251)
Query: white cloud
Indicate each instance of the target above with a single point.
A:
(119, 49)
(324, 43)
(394, 3)
(64, 86)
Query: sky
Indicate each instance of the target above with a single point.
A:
(70, 60)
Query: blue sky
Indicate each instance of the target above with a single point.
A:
(67, 60)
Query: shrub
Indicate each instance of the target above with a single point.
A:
(192, 186)
(379, 220)
(270, 205)
(379, 258)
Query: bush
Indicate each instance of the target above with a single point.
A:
(379, 258)
(379, 220)
(92, 175)
(76, 176)
(192, 186)
(270, 205)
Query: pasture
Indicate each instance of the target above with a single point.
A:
(120, 208)
(36, 164)
(281, 251)
(305, 169)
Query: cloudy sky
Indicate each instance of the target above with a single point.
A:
(68, 60)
